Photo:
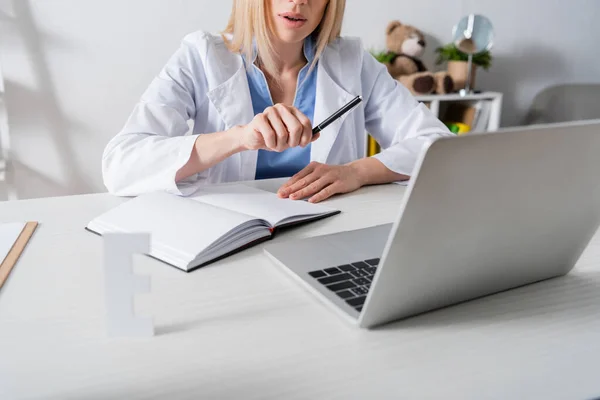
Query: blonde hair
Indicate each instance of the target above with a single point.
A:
(249, 22)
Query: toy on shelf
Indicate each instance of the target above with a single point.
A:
(458, 128)
(460, 117)
(405, 46)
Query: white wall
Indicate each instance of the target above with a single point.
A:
(74, 68)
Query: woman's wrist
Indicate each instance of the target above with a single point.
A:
(360, 169)
(210, 149)
(234, 139)
(371, 171)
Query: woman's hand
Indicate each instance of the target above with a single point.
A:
(277, 128)
(320, 181)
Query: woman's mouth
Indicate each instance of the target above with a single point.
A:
(293, 20)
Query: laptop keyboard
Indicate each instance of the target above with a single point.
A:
(351, 282)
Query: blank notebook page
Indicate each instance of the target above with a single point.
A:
(174, 222)
(257, 203)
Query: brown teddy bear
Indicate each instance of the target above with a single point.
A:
(405, 45)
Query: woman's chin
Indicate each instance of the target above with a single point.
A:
(290, 37)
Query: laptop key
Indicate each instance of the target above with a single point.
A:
(361, 281)
(356, 274)
(359, 309)
(358, 301)
(346, 294)
(336, 287)
(347, 268)
(333, 271)
(317, 274)
(360, 291)
(364, 273)
(361, 264)
(371, 270)
(373, 262)
(335, 278)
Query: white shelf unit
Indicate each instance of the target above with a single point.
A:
(488, 103)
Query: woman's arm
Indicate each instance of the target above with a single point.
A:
(371, 171)
(153, 153)
(223, 145)
(277, 128)
(152, 146)
(400, 124)
(318, 182)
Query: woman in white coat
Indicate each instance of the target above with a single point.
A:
(254, 94)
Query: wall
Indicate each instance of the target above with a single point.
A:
(74, 68)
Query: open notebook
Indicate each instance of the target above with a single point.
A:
(189, 232)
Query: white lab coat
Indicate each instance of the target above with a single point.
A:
(205, 83)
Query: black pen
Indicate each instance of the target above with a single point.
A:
(348, 107)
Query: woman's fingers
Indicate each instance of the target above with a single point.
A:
(292, 123)
(281, 131)
(290, 185)
(294, 191)
(306, 136)
(307, 182)
(328, 191)
(319, 183)
(284, 127)
(262, 125)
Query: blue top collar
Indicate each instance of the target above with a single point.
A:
(309, 49)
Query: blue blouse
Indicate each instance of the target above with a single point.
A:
(272, 164)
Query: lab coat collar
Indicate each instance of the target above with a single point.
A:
(309, 49)
(232, 99)
(330, 97)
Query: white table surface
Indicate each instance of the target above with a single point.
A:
(242, 328)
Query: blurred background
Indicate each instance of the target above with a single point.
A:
(73, 69)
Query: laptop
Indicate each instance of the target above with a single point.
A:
(483, 213)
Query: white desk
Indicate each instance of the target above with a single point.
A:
(243, 329)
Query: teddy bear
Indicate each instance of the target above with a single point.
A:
(405, 45)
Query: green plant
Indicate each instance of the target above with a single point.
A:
(451, 53)
(382, 56)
